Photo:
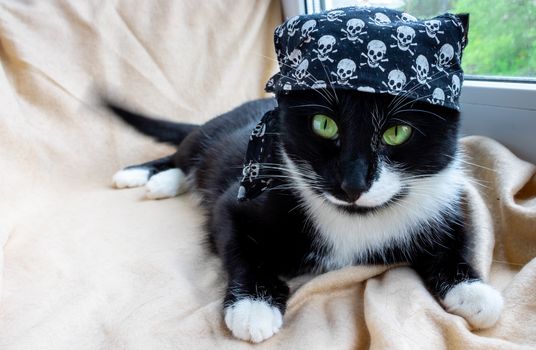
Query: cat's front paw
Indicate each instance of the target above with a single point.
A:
(253, 320)
(477, 302)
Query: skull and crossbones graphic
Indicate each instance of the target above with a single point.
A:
(376, 50)
(454, 87)
(396, 80)
(250, 171)
(354, 29)
(422, 69)
(333, 16)
(325, 46)
(270, 83)
(443, 57)
(380, 19)
(432, 29)
(406, 17)
(292, 25)
(319, 84)
(258, 131)
(294, 58)
(279, 30)
(404, 38)
(345, 71)
(301, 73)
(307, 29)
(438, 97)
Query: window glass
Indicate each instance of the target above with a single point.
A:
(502, 33)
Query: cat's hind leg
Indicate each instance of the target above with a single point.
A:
(139, 174)
(161, 178)
(130, 177)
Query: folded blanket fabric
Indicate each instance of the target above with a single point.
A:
(88, 267)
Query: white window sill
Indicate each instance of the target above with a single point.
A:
(500, 94)
(504, 111)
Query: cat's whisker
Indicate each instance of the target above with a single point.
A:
(409, 102)
(404, 100)
(328, 99)
(310, 77)
(469, 163)
(420, 110)
(272, 164)
(314, 80)
(416, 183)
(306, 175)
(377, 121)
(405, 95)
(267, 166)
(273, 176)
(474, 182)
(419, 177)
(417, 85)
(313, 210)
(401, 97)
(297, 206)
(423, 176)
(330, 82)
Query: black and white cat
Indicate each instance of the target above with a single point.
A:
(364, 180)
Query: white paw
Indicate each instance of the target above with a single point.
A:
(253, 320)
(166, 184)
(477, 302)
(132, 177)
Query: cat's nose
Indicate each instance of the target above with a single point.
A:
(353, 190)
(354, 180)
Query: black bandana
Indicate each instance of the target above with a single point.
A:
(375, 50)
(259, 167)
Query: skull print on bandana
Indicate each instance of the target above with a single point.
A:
(374, 50)
(387, 51)
(259, 156)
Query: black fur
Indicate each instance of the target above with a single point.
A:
(266, 238)
(161, 130)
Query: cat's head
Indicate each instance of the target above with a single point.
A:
(361, 151)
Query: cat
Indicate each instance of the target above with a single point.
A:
(363, 179)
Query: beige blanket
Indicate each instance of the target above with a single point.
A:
(85, 266)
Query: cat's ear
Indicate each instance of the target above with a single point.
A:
(464, 22)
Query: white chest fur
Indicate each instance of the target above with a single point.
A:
(348, 237)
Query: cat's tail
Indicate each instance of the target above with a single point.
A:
(161, 130)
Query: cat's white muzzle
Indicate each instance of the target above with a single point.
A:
(387, 185)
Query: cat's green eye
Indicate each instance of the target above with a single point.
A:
(397, 135)
(325, 127)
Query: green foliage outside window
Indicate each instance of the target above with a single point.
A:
(502, 33)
